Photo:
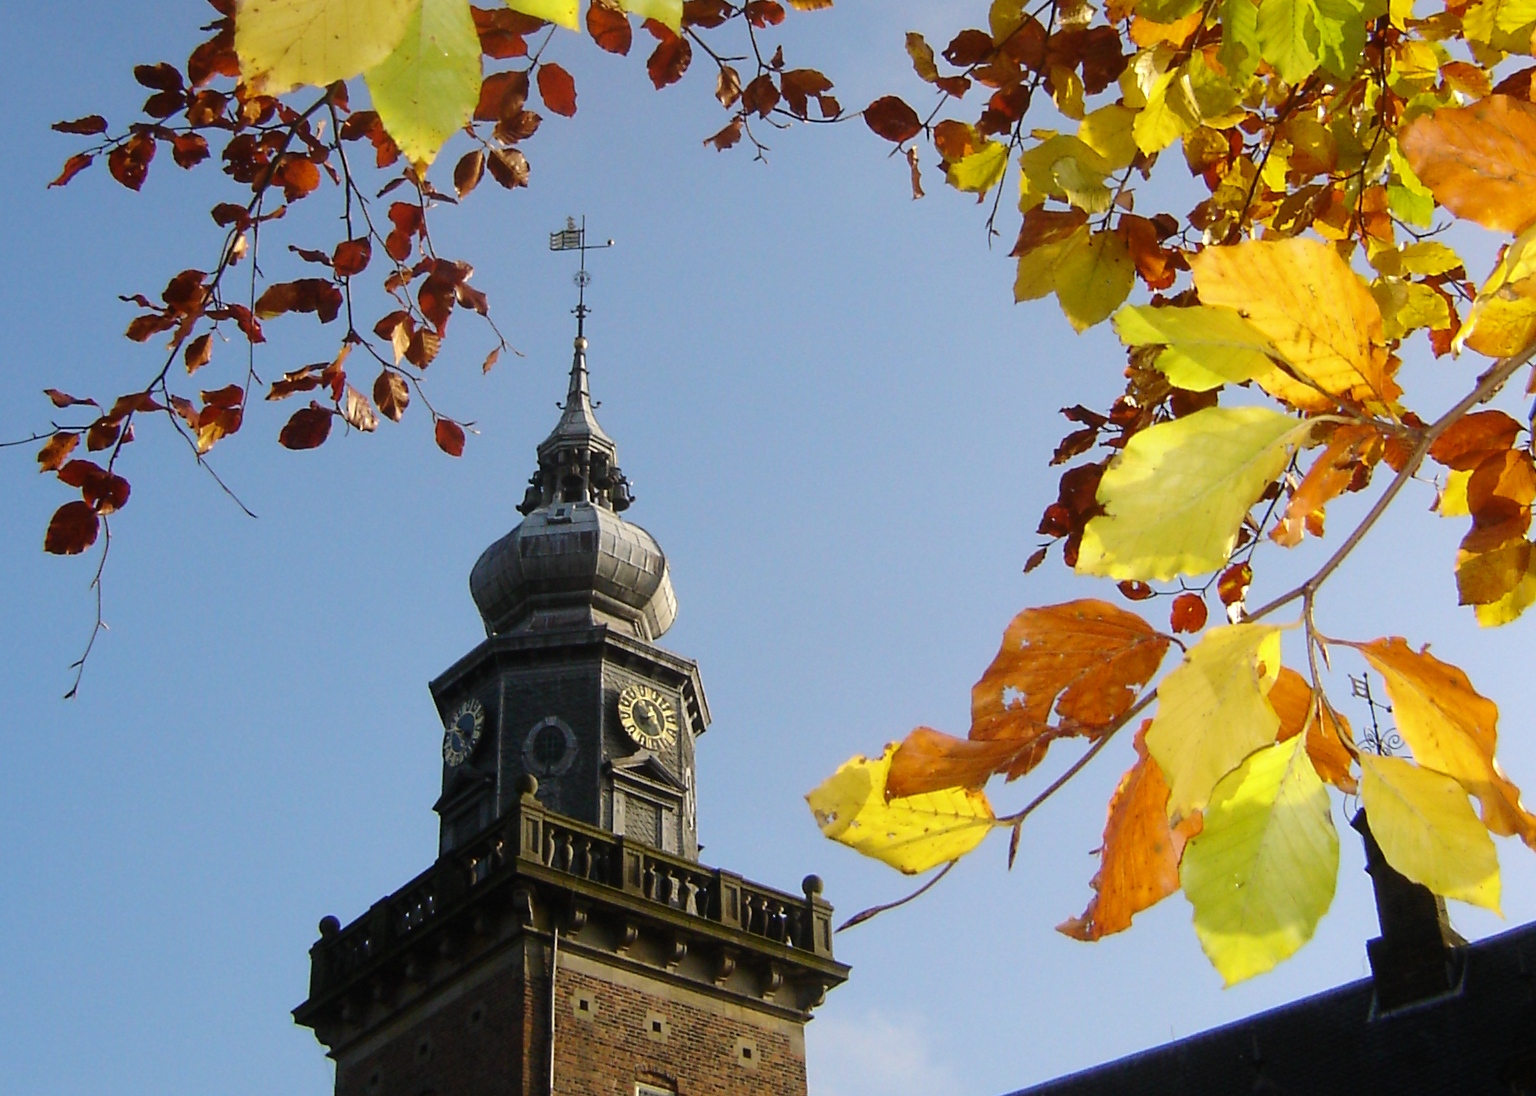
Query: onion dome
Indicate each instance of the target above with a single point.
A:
(573, 560)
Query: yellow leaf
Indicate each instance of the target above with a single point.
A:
(1450, 728)
(1175, 498)
(1407, 306)
(285, 43)
(912, 834)
(1428, 257)
(1038, 179)
(1108, 132)
(1037, 267)
(1261, 873)
(1207, 345)
(1317, 311)
(1498, 328)
(981, 170)
(667, 12)
(552, 11)
(1511, 605)
(1426, 830)
(1452, 502)
(1093, 280)
(428, 87)
(1160, 122)
(1211, 711)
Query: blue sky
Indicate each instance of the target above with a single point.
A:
(837, 424)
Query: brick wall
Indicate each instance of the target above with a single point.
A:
(614, 1028)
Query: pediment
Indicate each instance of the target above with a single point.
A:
(647, 766)
(461, 785)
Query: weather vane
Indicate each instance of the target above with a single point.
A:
(573, 237)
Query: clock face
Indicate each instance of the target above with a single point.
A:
(461, 732)
(647, 717)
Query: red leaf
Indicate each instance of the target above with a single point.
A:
(189, 149)
(308, 428)
(450, 437)
(1233, 585)
(352, 256)
(88, 126)
(609, 28)
(969, 47)
(669, 61)
(557, 89)
(1188, 613)
(501, 93)
(161, 77)
(392, 394)
(705, 13)
(760, 96)
(129, 161)
(892, 119)
(72, 167)
(1135, 590)
(72, 530)
(407, 220)
(764, 13)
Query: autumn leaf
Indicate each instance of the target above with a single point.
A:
(307, 428)
(56, 451)
(1479, 160)
(1329, 742)
(669, 13)
(449, 436)
(1331, 474)
(1261, 873)
(1212, 712)
(357, 411)
(1427, 830)
(72, 529)
(557, 89)
(285, 43)
(392, 394)
(427, 88)
(911, 833)
(609, 27)
(981, 170)
(892, 119)
(562, 12)
(1315, 310)
(1205, 346)
(1175, 498)
(930, 761)
(1084, 661)
(1450, 728)
(1139, 860)
(1188, 612)
(1094, 278)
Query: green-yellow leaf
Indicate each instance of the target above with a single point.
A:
(981, 170)
(1207, 345)
(1239, 38)
(913, 833)
(1038, 266)
(1094, 279)
(1175, 498)
(1212, 711)
(1261, 874)
(1038, 176)
(428, 87)
(1427, 830)
(667, 12)
(1108, 132)
(285, 43)
(1160, 122)
(1288, 37)
(551, 11)
(1428, 257)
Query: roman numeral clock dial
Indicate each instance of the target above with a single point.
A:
(461, 732)
(647, 717)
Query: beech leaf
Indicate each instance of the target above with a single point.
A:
(285, 43)
(427, 88)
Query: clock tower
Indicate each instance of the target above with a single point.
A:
(566, 940)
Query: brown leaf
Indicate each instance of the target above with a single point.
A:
(1479, 160)
(518, 126)
(129, 161)
(308, 427)
(102, 433)
(728, 86)
(392, 394)
(501, 93)
(490, 360)
(53, 454)
(760, 96)
(351, 257)
(764, 13)
(891, 118)
(357, 411)
(1188, 613)
(1085, 660)
(72, 167)
(669, 61)
(799, 85)
(1139, 860)
(706, 13)
(189, 149)
(1470, 440)
(88, 126)
(917, 176)
(508, 166)
(728, 136)
(557, 89)
(969, 47)
(609, 27)
(450, 437)
(317, 295)
(929, 760)
(408, 220)
(1329, 742)
(72, 530)
(199, 352)
(64, 399)
(1135, 590)
(468, 172)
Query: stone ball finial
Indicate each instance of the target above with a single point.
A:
(527, 784)
(329, 926)
(812, 885)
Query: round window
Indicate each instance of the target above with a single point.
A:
(549, 748)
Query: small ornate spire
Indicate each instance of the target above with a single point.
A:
(578, 461)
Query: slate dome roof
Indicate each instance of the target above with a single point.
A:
(573, 559)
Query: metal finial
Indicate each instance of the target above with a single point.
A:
(573, 237)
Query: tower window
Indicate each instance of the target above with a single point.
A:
(643, 1089)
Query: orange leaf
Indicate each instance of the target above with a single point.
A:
(1084, 659)
(1479, 160)
(929, 761)
(1139, 863)
(1328, 738)
(51, 456)
(1329, 477)
(1470, 439)
(1451, 728)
